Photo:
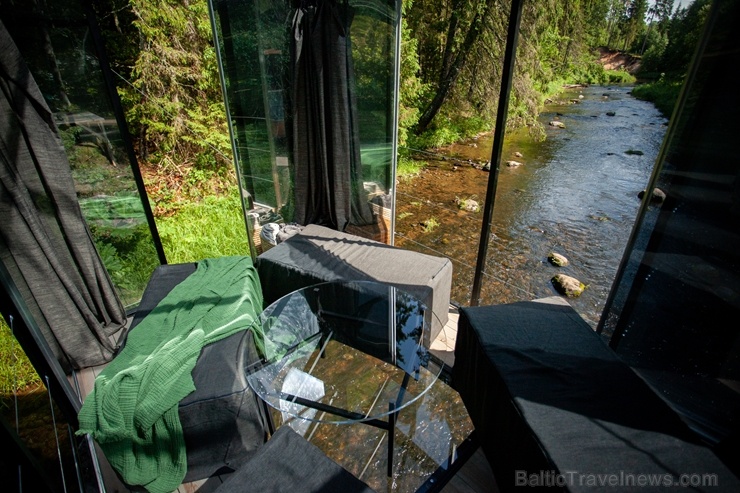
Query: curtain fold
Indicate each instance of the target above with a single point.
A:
(44, 240)
(327, 170)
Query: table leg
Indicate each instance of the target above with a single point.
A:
(392, 417)
(391, 435)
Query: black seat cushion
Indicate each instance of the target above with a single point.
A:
(319, 254)
(288, 462)
(546, 393)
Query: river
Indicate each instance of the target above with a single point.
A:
(575, 193)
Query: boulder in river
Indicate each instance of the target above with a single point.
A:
(568, 286)
(513, 164)
(468, 204)
(657, 198)
(557, 124)
(557, 259)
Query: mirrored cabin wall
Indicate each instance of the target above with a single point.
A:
(311, 90)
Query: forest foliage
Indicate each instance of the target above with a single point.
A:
(452, 55)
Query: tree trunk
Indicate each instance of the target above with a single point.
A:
(448, 79)
(450, 42)
(51, 57)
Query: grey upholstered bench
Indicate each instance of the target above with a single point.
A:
(319, 254)
(553, 405)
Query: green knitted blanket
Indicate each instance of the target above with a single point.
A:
(132, 411)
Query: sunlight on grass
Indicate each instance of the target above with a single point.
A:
(16, 371)
(430, 224)
(212, 228)
(408, 168)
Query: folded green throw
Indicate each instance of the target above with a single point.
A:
(132, 412)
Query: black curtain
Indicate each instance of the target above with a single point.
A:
(328, 187)
(44, 241)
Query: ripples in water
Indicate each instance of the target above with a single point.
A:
(575, 193)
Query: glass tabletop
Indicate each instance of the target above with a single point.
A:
(343, 352)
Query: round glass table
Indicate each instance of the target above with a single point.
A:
(343, 352)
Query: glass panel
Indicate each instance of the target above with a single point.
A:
(672, 307)
(58, 47)
(255, 48)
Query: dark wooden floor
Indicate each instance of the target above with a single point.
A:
(474, 477)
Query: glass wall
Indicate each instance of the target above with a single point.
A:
(58, 45)
(311, 93)
(673, 310)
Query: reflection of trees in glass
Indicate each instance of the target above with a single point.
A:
(252, 40)
(373, 55)
(287, 324)
(58, 46)
(367, 304)
(410, 319)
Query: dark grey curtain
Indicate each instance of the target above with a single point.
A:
(44, 241)
(327, 170)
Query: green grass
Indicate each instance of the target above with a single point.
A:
(662, 93)
(16, 371)
(212, 228)
(408, 168)
(430, 224)
(617, 77)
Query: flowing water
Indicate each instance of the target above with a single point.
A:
(575, 193)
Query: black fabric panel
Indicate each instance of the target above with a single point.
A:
(547, 394)
(326, 146)
(288, 462)
(223, 420)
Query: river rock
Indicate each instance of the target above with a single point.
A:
(486, 166)
(513, 164)
(469, 205)
(568, 286)
(557, 124)
(610, 113)
(657, 198)
(557, 259)
(518, 154)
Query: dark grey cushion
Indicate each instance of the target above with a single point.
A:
(319, 254)
(223, 420)
(546, 393)
(288, 462)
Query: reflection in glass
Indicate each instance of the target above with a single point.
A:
(673, 310)
(358, 346)
(57, 44)
(313, 137)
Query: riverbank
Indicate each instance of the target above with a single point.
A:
(619, 60)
